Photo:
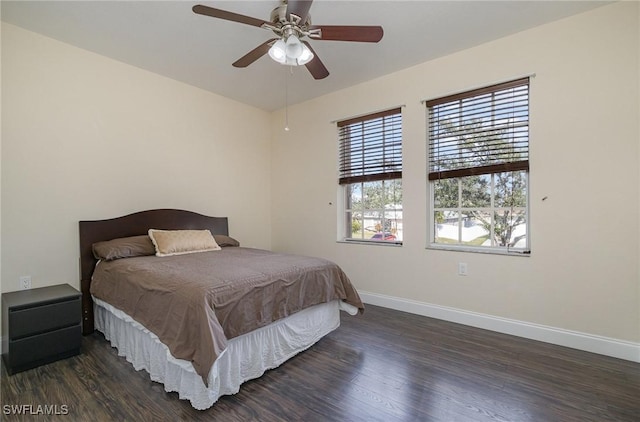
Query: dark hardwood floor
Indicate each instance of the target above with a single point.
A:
(383, 366)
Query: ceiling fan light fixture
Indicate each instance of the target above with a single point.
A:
(291, 52)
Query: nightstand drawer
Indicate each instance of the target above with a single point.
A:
(33, 320)
(46, 345)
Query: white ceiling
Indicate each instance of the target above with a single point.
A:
(167, 38)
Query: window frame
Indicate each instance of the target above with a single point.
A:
(492, 169)
(470, 248)
(378, 159)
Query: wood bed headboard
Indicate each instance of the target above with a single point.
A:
(133, 225)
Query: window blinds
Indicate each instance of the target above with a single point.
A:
(371, 147)
(480, 132)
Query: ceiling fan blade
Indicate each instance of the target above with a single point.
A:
(347, 33)
(315, 66)
(254, 54)
(230, 16)
(299, 8)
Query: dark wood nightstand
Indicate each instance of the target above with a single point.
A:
(40, 326)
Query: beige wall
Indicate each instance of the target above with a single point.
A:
(87, 137)
(582, 274)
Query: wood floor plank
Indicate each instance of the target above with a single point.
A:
(382, 366)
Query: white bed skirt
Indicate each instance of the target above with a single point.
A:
(246, 357)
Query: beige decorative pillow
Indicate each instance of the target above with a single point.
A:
(179, 242)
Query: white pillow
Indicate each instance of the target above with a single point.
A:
(179, 242)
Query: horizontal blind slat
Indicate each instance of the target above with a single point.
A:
(475, 171)
(370, 177)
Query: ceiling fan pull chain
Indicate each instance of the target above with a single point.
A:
(286, 98)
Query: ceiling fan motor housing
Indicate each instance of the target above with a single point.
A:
(279, 20)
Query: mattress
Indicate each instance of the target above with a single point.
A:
(246, 357)
(195, 303)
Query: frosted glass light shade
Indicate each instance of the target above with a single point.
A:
(294, 47)
(306, 55)
(278, 52)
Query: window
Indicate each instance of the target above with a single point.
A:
(370, 166)
(478, 145)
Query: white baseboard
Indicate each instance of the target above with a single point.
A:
(588, 342)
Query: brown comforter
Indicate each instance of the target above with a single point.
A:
(194, 303)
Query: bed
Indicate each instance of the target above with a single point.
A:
(204, 320)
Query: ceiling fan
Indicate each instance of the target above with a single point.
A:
(291, 22)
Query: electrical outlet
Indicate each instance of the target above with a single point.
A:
(462, 268)
(25, 282)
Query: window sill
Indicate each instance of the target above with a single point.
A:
(439, 247)
(369, 242)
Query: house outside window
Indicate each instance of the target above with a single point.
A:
(370, 176)
(478, 161)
